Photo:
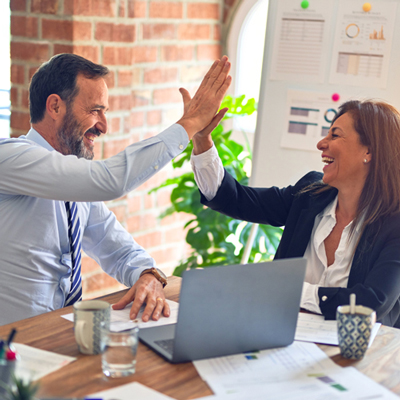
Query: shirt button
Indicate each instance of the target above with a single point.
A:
(181, 146)
(324, 298)
(156, 167)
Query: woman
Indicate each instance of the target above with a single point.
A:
(346, 221)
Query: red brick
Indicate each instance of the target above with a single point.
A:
(44, 6)
(119, 211)
(110, 79)
(203, 10)
(14, 96)
(20, 120)
(18, 5)
(25, 98)
(140, 98)
(161, 75)
(193, 32)
(24, 26)
(98, 150)
(89, 265)
(194, 73)
(114, 125)
(98, 281)
(109, 32)
(154, 117)
(148, 202)
(113, 147)
(66, 30)
(92, 53)
(174, 235)
(17, 73)
(29, 51)
(164, 197)
(136, 119)
(137, 9)
(149, 240)
(144, 54)
(117, 56)
(166, 10)
(100, 8)
(217, 33)
(119, 102)
(159, 31)
(141, 222)
(134, 204)
(166, 255)
(177, 53)
(209, 51)
(125, 78)
(122, 10)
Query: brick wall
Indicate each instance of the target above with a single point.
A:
(152, 48)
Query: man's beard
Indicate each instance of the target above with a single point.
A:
(70, 138)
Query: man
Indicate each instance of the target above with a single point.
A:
(51, 193)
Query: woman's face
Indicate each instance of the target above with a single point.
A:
(344, 155)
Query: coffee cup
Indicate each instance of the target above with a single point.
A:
(354, 330)
(88, 318)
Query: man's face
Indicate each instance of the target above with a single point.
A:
(84, 119)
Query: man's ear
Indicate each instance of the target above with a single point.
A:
(55, 106)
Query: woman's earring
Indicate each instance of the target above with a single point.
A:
(365, 160)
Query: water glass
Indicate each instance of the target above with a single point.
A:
(119, 351)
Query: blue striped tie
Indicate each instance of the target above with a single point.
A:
(75, 236)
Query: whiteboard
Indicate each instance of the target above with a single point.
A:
(274, 165)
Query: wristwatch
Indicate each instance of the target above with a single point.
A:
(158, 274)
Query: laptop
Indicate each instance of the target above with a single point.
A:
(232, 309)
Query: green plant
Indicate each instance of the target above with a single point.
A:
(216, 239)
(21, 389)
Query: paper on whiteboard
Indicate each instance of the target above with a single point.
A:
(308, 118)
(300, 41)
(363, 42)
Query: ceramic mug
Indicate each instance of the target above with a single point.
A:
(354, 330)
(88, 316)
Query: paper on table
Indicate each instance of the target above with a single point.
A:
(259, 365)
(130, 391)
(35, 363)
(120, 318)
(341, 384)
(314, 328)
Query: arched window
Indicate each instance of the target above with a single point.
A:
(245, 45)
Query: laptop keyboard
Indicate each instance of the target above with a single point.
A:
(167, 345)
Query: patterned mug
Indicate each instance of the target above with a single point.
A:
(88, 316)
(354, 330)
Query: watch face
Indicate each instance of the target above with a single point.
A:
(161, 273)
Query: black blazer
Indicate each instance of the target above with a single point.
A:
(375, 271)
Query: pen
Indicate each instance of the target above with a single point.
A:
(11, 336)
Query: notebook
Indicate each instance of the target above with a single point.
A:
(232, 309)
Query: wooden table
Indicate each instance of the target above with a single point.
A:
(180, 381)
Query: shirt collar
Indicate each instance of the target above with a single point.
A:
(36, 137)
(330, 211)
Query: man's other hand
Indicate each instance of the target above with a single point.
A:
(147, 290)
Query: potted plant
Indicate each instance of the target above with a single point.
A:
(216, 239)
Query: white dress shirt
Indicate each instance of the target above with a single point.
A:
(35, 259)
(209, 173)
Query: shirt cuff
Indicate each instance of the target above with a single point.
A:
(309, 298)
(203, 160)
(175, 138)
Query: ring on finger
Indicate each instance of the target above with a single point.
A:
(160, 299)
